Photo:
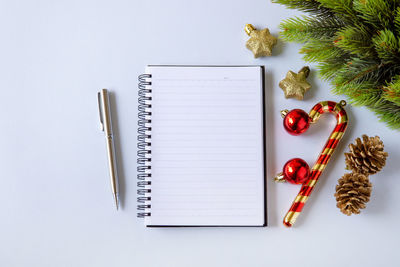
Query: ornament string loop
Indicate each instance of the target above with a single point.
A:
(324, 157)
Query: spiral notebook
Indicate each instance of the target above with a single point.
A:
(201, 146)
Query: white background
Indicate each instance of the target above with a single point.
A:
(55, 201)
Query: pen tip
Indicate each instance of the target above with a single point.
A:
(116, 199)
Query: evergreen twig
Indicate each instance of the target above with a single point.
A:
(356, 44)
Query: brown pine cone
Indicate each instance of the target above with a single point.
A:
(366, 157)
(352, 192)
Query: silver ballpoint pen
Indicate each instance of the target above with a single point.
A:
(106, 126)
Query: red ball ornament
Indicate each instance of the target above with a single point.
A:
(296, 121)
(296, 171)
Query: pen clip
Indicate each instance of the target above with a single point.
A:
(100, 111)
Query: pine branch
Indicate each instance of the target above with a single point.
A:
(377, 13)
(302, 29)
(310, 6)
(397, 21)
(359, 71)
(355, 40)
(387, 46)
(341, 8)
(357, 46)
(360, 94)
(391, 92)
(388, 112)
(319, 51)
(329, 68)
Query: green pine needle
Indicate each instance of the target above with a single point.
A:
(311, 6)
(301, 29)
(387, 46)
(391, 92)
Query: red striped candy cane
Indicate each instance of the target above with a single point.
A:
(323, 158)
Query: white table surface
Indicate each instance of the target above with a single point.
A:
(56, 206)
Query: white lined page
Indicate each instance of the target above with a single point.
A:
(207, 146)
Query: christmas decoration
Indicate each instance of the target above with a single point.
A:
(261, 42)
(366, 156)
(295, 121)
(352, 192)
(295, 171)
(324, 157)
(295, 84)
(356, 43)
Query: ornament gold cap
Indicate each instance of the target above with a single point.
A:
(305, 70)
(249, 28)
(342, 103)
(280, 178)
(284, 113)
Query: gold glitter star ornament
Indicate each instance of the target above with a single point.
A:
(295, 84)
(261, 42)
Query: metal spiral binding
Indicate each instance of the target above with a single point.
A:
(144, 146)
